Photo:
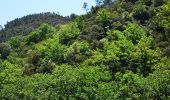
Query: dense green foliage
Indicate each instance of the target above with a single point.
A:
(118, 51)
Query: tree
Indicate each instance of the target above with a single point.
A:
(133, 1)
(39, 34)
(85, 6)
(5, 49)
(24, 25)
(159, 84)
(94, 32)
(141, 12)
(107, 2)
(15, 42)
(162, 24)
(99, 2)
(84, 82)
(10, 86)
(1, 27)
(73, 16)
(134, 33)
(77, 52)
(158, 2)
(104, 16)
(68, 32)
(130, 86)
(52, 49)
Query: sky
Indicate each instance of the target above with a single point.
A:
(11, 9)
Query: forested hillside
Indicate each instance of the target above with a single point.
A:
(26, 24)
(117, 51)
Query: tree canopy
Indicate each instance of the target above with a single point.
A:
(117, 51)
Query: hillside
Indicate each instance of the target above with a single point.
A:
(26, 24)
(117, 51)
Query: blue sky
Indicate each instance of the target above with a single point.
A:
(11, 9)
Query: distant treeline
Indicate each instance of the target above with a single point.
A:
(26, 24)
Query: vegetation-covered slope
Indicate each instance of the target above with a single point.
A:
(112, 52)
(26, 24)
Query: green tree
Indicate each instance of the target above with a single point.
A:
(52, 50)
(15, 42)
(107, 2)
(134, 33)
(104, 16)
(99, 2)
(68, 32)
(141, 12)
(161, 22)
(130, 50)
(9, 81)
(80, 83)
(158, 2)
(77, 52)
(133, 1)
(5, 49)
(130, 86)
(159, 84)
(85, 6)
(40, 34)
